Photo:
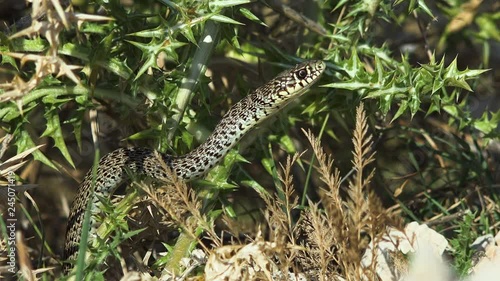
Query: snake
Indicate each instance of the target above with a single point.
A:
(117, 167)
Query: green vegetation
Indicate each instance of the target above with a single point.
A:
(407, 108)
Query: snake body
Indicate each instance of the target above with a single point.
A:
(115, 167)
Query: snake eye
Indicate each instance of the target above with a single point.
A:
(301, 74)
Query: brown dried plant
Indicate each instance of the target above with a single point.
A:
(334, 233)
(158, 215)
(183, 208)
(338, 233)
(49, 19)
(326, 242)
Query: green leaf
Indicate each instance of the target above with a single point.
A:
(218, 176)
(224, 19)
(348, 85)
(131, 233)
(36, 45)
(10, 111)
(402, 108)
(55, 99)
(9, 60)
(236, 44)
(249, 15)
(145, 134)
(188, 33)
(435, 105)
(488, 26)
(471, 73)
(77, 129)
(151, 50)
(466, 234)
(392, 90)
(385, 104)
(269, 165)
(458, 83)
(24, 142)
(437, 84)
(229, 210)
(452, 110)
(187, 138)
(113, 64)
(414, 102)
(157, 32)
(287, 143)
(54, 131)
(219, 4)
(220, 185)
(423, 6)
(255, 186)
(95, 28)
(486, 124)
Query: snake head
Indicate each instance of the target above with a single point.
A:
(294, 82)
(297, 80)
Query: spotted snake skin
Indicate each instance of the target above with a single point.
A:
(115, 167)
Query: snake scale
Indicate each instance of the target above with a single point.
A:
(115, 167)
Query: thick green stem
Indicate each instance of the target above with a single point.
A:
(198, 66)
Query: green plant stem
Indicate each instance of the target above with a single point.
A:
(206, 45)
(180, 250)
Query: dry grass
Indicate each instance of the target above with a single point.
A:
(326, 241)
(338, 233)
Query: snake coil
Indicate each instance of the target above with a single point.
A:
(115, 167)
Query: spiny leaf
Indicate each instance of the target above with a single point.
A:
(224, 19)
(486, 124)
(119, 67)
(219, 175)
(54, 131)
(249, 15)
(219, 4)
(25, 142)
